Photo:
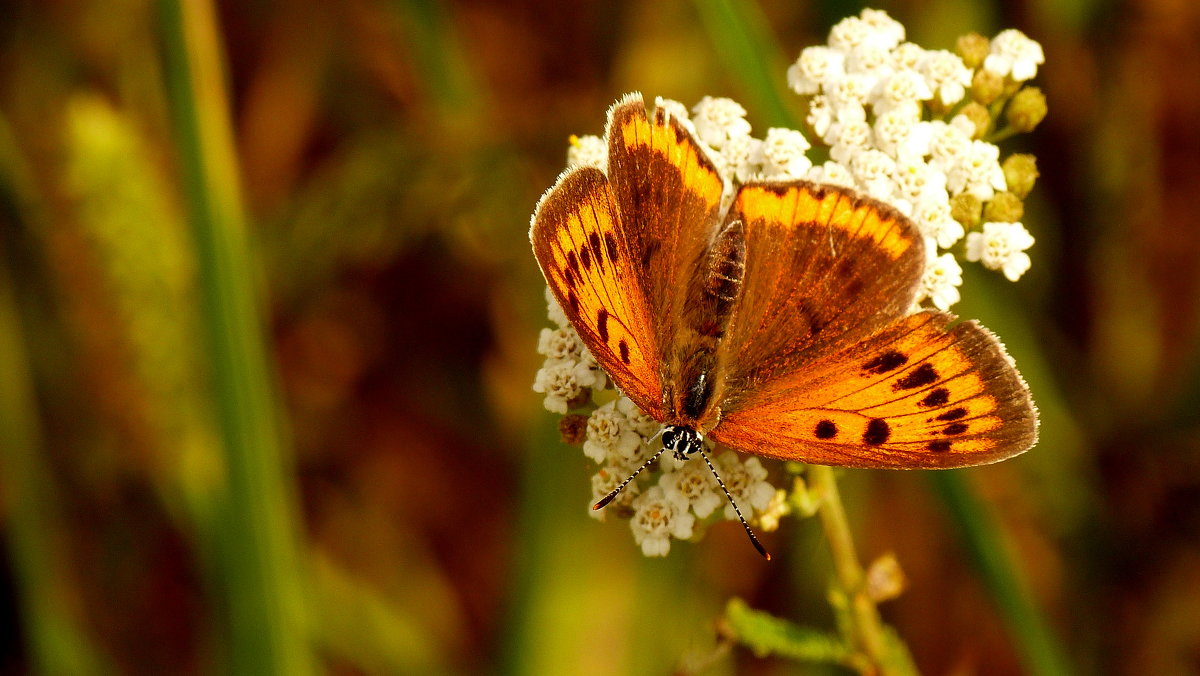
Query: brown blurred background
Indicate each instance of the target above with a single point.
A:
(390, 156)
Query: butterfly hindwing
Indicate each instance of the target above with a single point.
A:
(914, 395)
(585, 254)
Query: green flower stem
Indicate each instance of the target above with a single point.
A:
(254, 532)
(866, 627)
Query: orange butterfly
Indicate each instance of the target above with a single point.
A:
(780, 328)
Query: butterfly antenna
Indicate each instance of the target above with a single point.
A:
(753, 539)
(609, 498)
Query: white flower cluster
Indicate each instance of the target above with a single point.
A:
(569, 368)
(873, 102)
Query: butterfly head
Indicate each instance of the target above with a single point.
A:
(681, 441)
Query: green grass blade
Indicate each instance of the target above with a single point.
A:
(255, 530)
(981, 535)
(744, 42)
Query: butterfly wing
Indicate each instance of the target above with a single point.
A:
(668, 193)
(825, 268)
(823, 364)
(917, 394)
(586, 255)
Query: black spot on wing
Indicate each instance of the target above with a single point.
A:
(585, 257)
(935, 398)
(602, 324)
(885, 362)
(877, 432)
(939, 446)
(826, 429)
(610, 244)
(623, 349)
(597, 250)
(953, 414)
(954, 428)
(921, 376)
(573, 301)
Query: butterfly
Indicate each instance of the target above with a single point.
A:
(780, 325)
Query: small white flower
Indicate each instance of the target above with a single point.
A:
(872, 59)
(813, 68)
(900, 133)
(1013, 54)
(782, 154)
(603, 483)
(561, 382)
(915, 179)
(610, 436)
(931, 213)
(977, 172)
(887, 31)
(656, 519)
(907, 56)
(833, 173)
(849, 139)
(675, 109)
(587, 151)
(873, 171)
(693, 484)
(851, 89)
(850, 33)
(746, 482)
(719, 119)
(820, 115)
(946, 74)
(741, 155)
(948, 144)
(562, 343)
(902, 87)
(940, 282)
(554, 311)
(597, 377)
(1001, 246)
(639, 420)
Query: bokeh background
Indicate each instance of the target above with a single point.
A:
(412, 511)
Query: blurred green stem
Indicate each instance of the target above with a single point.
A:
(255, 529)
(866, 627)
(990, 556)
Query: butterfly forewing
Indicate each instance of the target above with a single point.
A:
(669, 196)
(585, 254)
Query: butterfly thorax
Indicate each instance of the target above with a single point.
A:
(693, 394)
(681, 440)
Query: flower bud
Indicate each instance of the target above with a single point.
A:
(1026, 109)
(986, 87)
(1020, 172)
(966, 209)
(1005, 207)
(885, 580)
(573, 428)
(973, 48)
(979, 116)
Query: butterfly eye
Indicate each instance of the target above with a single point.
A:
(669, 437)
